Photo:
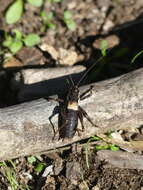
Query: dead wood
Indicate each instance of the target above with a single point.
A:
(31, 76)
(120, 159)
(115, 104)
(45, 82)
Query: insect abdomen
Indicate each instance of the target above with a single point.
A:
(71, 123)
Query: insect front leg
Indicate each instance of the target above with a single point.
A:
(86, 116)
(87, 93)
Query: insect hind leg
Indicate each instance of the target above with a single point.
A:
(86, 116)
(80, 116)
(55, 112)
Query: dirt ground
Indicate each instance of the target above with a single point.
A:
(118, 22)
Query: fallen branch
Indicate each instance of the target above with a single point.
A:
(115, 104)
(120, 159)
(44, 82)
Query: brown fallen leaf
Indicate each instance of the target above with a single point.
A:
(51, 50)
(12, 62)
(67, 57)
(63, 56)
(30, 56)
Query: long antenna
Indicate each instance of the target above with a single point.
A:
(71, 80)
(84, 75)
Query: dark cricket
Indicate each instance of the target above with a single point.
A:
(70, 111)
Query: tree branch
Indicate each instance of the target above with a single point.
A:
(116, 103)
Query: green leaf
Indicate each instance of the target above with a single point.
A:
(36, 3)
(136, 56)
(15, 46)
(31, 40)
(43, 15)
(31, 159)
(2, 163)
(18, 34)
(46, 16)
(71, 25)
(51, 25)
(8, 41)
(50, 15)
(47, 19)
(114, 147)
(103, 47)
(40, 166)
(95, 138)
(67, 15)
(69, 21)
(14, 12)
(101, 147)
(107, 147)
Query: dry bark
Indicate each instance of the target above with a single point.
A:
(120, 159)
(115, 104)
(44, 82)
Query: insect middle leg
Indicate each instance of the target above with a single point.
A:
(80, 116)
(83, 112)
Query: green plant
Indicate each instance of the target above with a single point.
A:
(47, 20)
(36, 3)
(68, 20)
(103, 47)
(14, 12)
(54, 1)
(15, 41)
(39, 167)
(107, 147)
(31, 159)
(31, 40)
(98, 147)
(85, 183)
(16, 9)
(10, 173)
(136, 56)
(86, 148)
(11, 176)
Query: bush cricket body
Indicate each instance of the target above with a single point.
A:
(71, 111)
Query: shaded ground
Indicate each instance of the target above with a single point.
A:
(121, 24)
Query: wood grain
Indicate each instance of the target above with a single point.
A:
(115, 104)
